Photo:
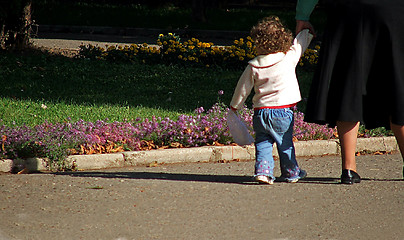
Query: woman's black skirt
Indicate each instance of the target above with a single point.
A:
(360, 76)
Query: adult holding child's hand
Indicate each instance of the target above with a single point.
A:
(360, 78)
(303, 12)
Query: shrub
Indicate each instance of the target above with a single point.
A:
(193, 52)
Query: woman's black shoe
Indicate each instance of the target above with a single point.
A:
(350, 177)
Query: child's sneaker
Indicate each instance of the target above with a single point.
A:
(302, 175)
(264, 179)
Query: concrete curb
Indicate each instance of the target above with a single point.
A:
(197, 154)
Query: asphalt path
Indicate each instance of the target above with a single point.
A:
(72, 41)
(206, 201)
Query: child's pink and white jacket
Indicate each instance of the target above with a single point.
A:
(273, 77)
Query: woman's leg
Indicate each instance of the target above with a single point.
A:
(398, 131)
(348, 134)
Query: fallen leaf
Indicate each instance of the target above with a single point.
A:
(96, 187)
(217, 144)
(24, 171)
(176, 145)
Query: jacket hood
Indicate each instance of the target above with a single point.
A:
(263, 61)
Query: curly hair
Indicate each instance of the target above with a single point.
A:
(271, 36)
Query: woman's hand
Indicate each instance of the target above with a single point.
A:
(301, 25)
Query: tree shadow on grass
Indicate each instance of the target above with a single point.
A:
(44, 77)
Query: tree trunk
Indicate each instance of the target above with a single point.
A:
(15, 24)
(24, 31)
(199, 10)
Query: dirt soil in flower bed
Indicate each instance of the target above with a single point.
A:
(206, 201)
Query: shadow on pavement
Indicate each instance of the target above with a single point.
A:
(166, 176)
(234, 179)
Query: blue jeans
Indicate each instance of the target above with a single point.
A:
(270, 126)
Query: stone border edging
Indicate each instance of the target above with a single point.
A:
(198, 154)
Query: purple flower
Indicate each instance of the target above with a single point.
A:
(56, 140)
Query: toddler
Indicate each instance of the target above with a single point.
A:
(273, 77)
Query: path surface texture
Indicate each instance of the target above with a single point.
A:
(206, 201)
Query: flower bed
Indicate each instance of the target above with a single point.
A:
(193, 52)
(57, 141)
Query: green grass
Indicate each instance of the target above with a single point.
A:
(93, 90)
(34, 112)
(73, 89)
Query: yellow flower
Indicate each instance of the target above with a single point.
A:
(241, 58)
(170, 34)
(161, 35)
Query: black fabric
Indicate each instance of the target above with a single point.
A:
(360, 76)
